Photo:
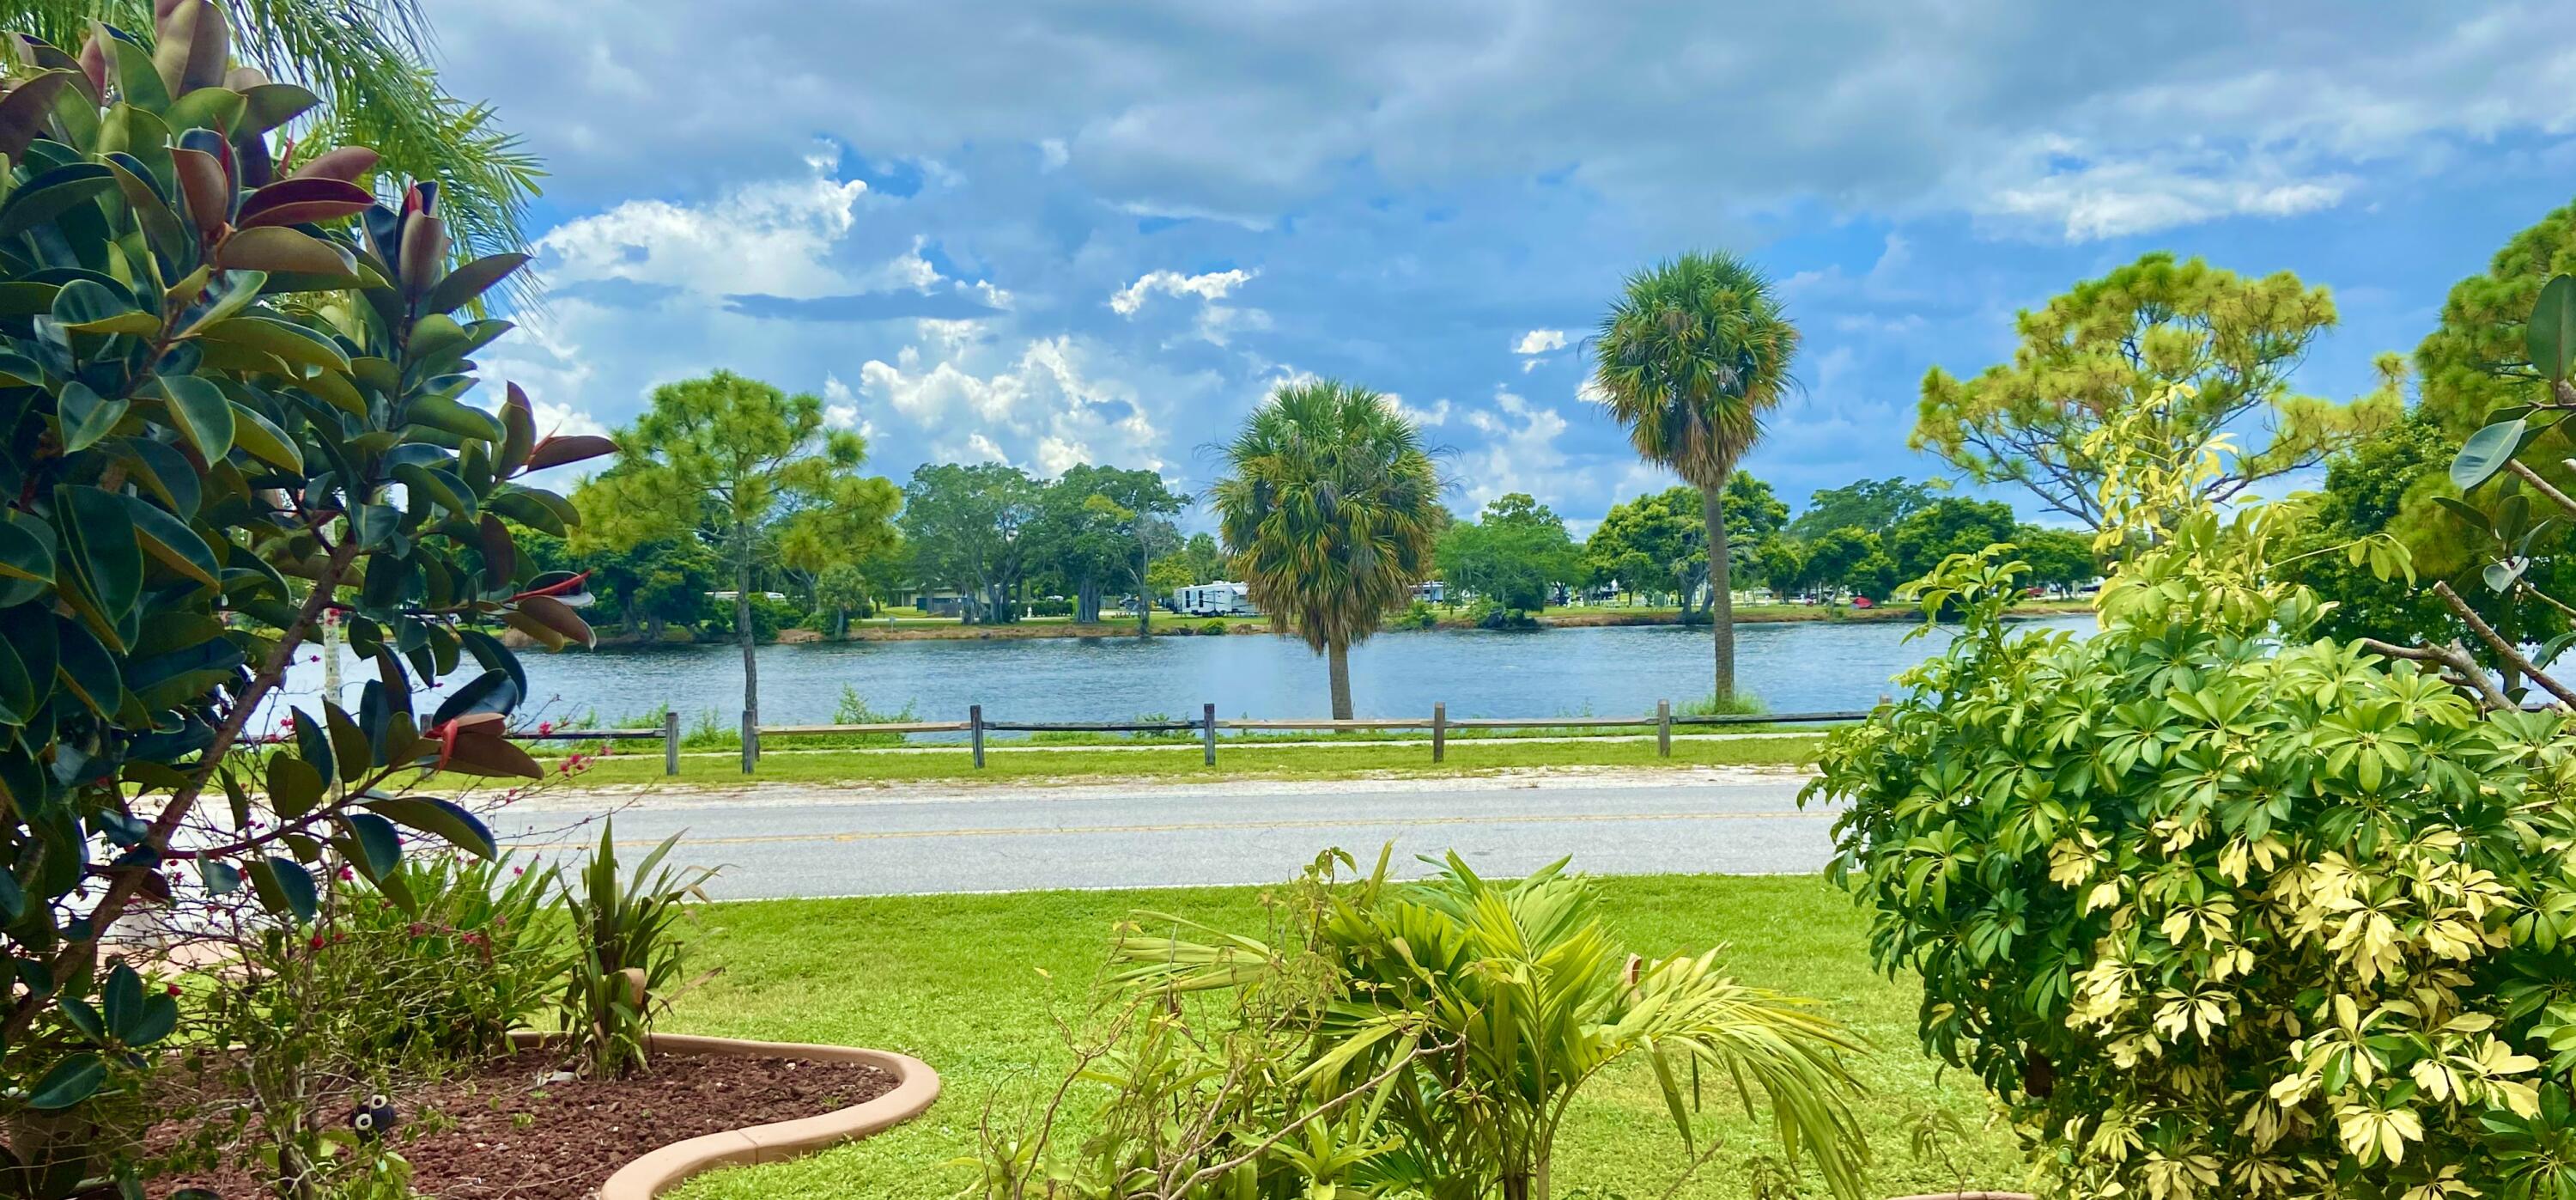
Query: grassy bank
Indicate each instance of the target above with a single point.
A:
(970, 983)
(641, 763)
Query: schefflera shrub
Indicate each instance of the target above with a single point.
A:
(233, 396)
(2215, 910)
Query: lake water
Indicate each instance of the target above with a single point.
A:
(1607, 671)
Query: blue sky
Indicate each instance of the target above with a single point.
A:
(1054, 232)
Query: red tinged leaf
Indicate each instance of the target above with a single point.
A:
(518, 432)
(487, 754)
(559, 616)
(27, 110)
(206, 187)
(93, 63)
(276, 249)
(557, 450)
(424, 254)
(561, 588)
(346, 164)
(445, 732)
(292, 201)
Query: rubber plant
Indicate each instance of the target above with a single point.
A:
(234, 401)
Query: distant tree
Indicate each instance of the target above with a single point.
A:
(1875, 505)
(1753, 512)
(2058, 558)
(721, 458)
(1780, 561)
(1327, 508)
(2482, 325)
(654, 585)
(1514, 556)
(1152, 541)
(968, 528)
(842, 590)
(1833, 562)
(1691, 356)
(1947, 527)
(1088, 527)
(1651, 546)
(1204, 558)
(2115, 343)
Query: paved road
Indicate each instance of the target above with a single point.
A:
(778, 841)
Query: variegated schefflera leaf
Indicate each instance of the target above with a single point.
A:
(236, 388)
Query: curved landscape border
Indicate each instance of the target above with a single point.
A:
(658, 1171)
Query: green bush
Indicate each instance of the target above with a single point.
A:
(2215, 909)
(1215, 627)
(1418, 615)
(1416, 1039)
(469, 946)
(1050, 608)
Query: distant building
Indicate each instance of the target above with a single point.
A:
(1432, 591)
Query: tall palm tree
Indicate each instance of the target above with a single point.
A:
(1329, 508)
(371, 63)
(1689, 359)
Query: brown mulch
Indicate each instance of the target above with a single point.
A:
(496, 1134)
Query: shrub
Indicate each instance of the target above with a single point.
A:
(1215, 627)
(853, 710)
(625, 957)
(1408, 1039)
(215, 378)
(1051, 607)
(1741, 704)
(1418, 615)
(2212, 908)
(468, 949)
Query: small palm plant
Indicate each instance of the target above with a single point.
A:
(1330, 507)
(1472, 1012)
(625, 960)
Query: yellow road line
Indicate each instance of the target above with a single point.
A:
(1187, 827)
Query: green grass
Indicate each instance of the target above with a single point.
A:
(956, 981)
(641, 763)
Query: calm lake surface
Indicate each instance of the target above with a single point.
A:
(1793, 667)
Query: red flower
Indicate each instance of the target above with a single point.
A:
(174, 989)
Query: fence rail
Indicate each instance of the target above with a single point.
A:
(976, 726)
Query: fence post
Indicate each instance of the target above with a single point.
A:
(1663, 729)
(750, 742)
(670, 741)
(975, 731)
(1439, 730)
(1207, 732)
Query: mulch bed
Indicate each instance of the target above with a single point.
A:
(496, 1134)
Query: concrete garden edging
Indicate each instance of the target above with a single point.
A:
(916, 1086)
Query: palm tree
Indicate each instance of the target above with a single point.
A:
(370, 62)
(1329, 509)
(1689, 359)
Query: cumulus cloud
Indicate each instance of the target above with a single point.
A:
(1540, 341)
(771, 238)
(1050, 400)
(1519, 454)
(1215, 285)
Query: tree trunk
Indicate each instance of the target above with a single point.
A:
(1721, 591)
(742, 633)
(1338, 662)
(1086, 602)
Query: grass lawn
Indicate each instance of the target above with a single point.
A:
(956, 981)
(641, 762)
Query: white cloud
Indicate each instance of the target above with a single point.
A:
(1436, 415)
(772, 237)
(2096, 200)
(841, 408)
(1540, 341)
(1212, 286)
(1520, 453)
(1051, 400)
(1052, 154)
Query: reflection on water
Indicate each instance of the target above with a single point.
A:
(1807, 667)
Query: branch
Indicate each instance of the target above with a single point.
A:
(2540, 485)
(2505, 650)
(2460, 668)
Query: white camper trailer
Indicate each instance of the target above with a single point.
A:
(1219, 599)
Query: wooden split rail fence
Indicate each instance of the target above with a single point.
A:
(976, 726)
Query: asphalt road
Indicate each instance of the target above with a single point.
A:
(777, 841)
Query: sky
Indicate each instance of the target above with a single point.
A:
(1049, 232)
